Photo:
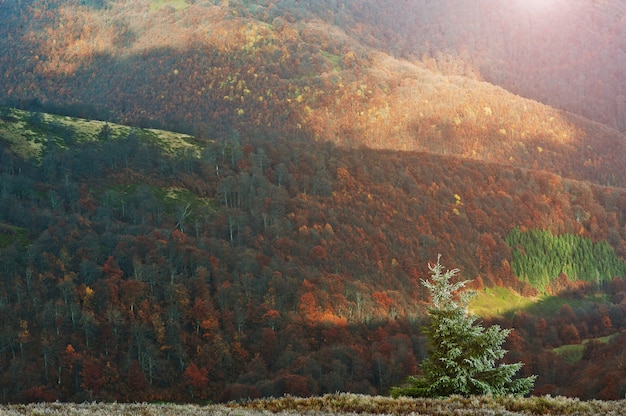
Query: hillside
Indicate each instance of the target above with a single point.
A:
(142, 265)
(209, 201)
(567, 54)
(290, 71)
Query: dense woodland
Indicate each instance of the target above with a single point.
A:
(280, 250)
(261, 267)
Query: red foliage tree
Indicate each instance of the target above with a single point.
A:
(569, 334)
(382, 299)
(270, 347)
(318, 254)
(296, 385)
(136, 379)
(91, 375)
(196, 379)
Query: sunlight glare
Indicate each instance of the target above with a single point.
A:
(538, 6)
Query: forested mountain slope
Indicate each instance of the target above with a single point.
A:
(324, 70)
(567, 54)
(141, 265)
(274, 242)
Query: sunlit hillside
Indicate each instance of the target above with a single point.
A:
(567, 54)
(245, 68)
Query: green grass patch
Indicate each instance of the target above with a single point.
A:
(176, 4)
(570, 353)
(10, 234)
(335, 60)
(550, 305)
(498, 301)
(29, 134)
(170, 141)
(23, 139)
(574, 352)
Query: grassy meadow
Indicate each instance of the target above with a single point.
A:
(30, 133)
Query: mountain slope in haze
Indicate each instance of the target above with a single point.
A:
(245, 68)
(567, 54)
(141, 265)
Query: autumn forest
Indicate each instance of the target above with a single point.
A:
(216, 200)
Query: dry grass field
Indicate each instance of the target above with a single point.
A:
(336, 404)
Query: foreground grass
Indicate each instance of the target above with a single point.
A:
(338, 404)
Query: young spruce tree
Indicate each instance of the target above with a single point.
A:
(462, 355)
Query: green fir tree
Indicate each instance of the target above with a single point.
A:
(463, 356)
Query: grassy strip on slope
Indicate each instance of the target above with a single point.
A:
(574, 352)
(10, 234)
(498, 301)
(29, 133)
(176, 4)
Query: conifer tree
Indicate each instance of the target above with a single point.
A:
(462, 355)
